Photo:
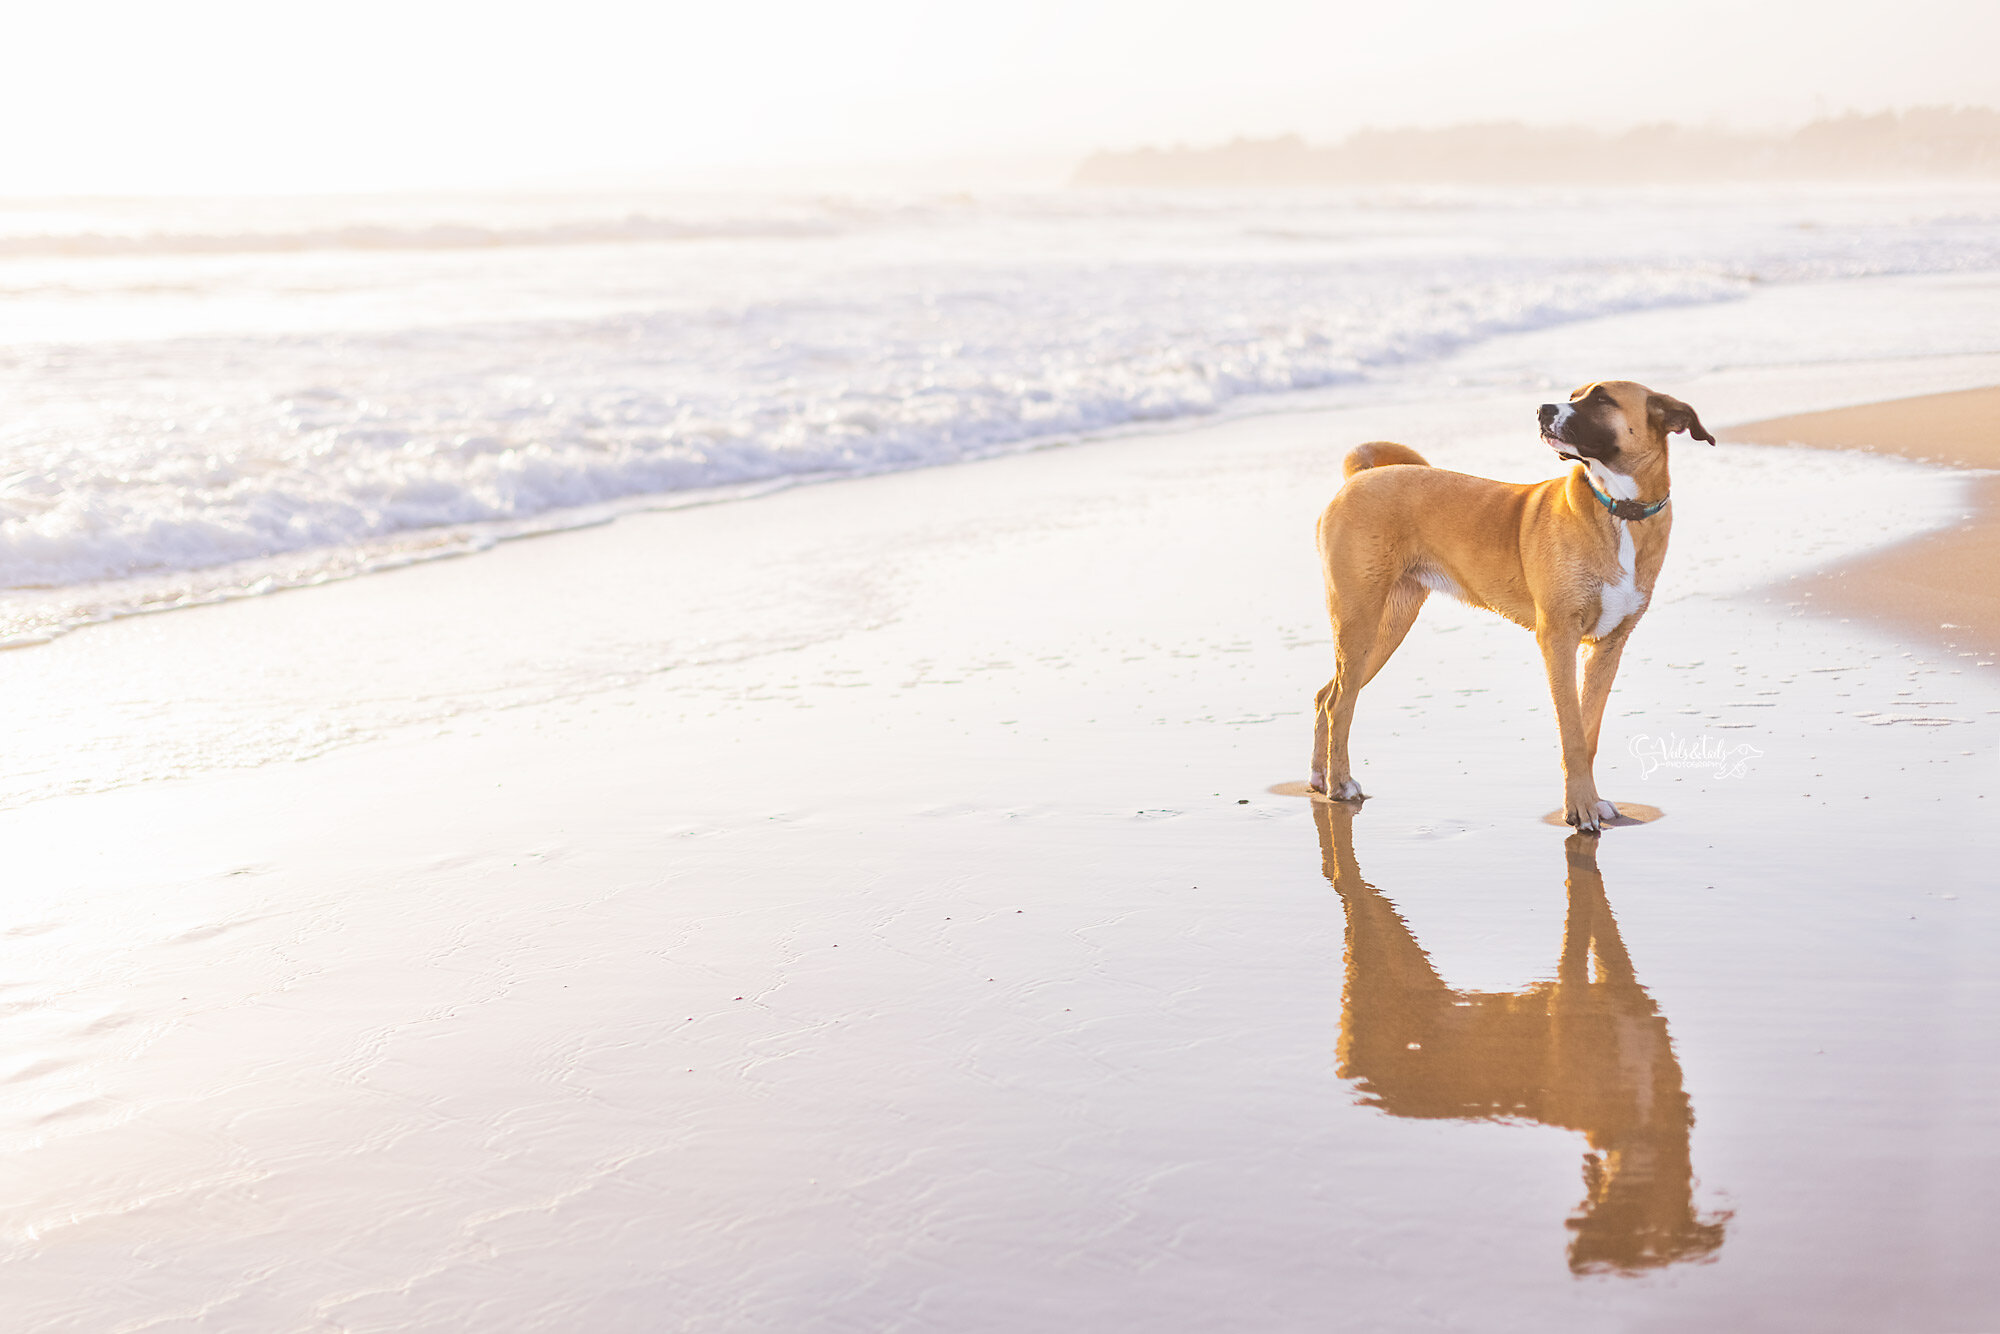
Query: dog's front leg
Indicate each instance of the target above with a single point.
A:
(1600, 668)
(1580, 805)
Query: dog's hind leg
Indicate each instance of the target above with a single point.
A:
(1358, 618)
(1399, 613)
(1321, 698)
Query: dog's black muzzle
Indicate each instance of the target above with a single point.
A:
(1552, 436)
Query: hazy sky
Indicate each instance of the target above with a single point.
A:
(141, 95)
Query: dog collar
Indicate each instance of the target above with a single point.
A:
(1624, 509)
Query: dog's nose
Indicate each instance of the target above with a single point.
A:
(1549, 411)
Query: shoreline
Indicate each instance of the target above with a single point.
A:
(1652, 344)
(1945, 585)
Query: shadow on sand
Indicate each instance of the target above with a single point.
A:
(1587, 1051)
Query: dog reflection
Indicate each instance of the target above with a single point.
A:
(1584, 1052)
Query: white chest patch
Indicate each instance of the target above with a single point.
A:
(1618, 600)
(1614, 484)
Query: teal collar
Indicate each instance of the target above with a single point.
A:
(1624, 509)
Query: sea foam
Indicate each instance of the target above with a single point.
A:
(231, 412)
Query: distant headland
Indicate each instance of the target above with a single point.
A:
(1926, 142)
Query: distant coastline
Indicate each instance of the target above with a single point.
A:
(1929, 143)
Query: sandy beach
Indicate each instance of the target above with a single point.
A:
(894, 925)
(1943, 585)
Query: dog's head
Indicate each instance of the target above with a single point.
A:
(1618, 424)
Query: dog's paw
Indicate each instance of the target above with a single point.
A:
(1346, 790)
(1606, 812)
(1585, 817)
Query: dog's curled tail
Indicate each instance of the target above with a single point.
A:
(1377, 453)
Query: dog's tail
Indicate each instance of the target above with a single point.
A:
(1377, 453)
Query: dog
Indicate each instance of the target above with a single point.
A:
(1573, 559)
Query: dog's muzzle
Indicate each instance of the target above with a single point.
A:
(1552, 432)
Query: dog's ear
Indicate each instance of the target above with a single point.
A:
(1669, 414)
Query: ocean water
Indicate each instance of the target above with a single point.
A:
(207, 399)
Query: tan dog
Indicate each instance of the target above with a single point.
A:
(1573, 559)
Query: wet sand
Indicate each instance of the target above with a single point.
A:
(1944, 586)
(881, 919)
